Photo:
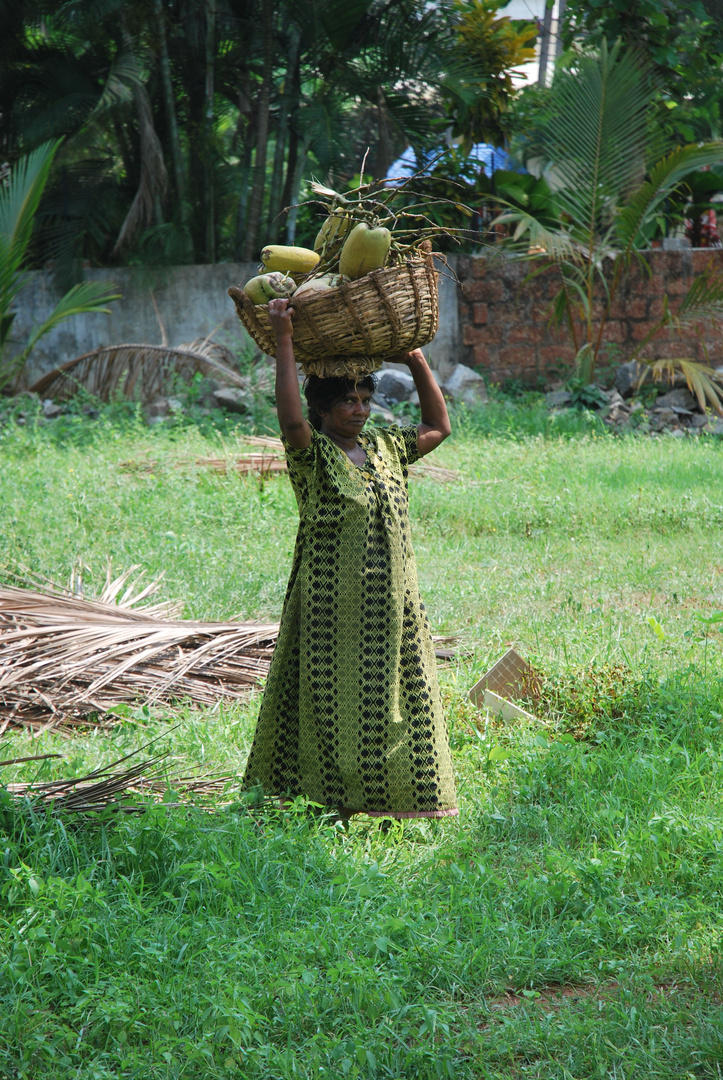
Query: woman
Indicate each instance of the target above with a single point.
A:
(351, 716)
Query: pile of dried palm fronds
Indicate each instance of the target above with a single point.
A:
(138, 371)
(65, 658)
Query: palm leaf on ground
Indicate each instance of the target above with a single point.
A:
(146, 371)
(65, 658)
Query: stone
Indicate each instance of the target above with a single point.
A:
(628, 376)
(50, 409)
(395, 384)
(681, 399)
(466, 385)
(698, 420)
(380, 412)
(175, 404)
(676, 243)
(558, 399)
(157, 409)
(232, 399)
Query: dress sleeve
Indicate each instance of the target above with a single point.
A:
(406, 441)
(301, 462)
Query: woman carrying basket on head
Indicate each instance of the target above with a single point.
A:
(351, 715)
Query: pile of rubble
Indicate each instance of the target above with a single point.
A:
(395, 386)
(647, 408)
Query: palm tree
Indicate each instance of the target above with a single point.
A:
(594, 146)
(19, 201)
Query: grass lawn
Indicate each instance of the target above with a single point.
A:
(567, 927)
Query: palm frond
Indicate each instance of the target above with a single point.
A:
(594, 134)
(130, 789)
(665, 176)
(136, 370)
(703, 381)
(65, 658)
(703, 303)
(19, 201)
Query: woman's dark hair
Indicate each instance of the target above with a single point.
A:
(322, 394)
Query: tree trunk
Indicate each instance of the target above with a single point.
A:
(282, 132)
(170, 105)
(243, 202)
(208, 114)
(545, 42)
(256, 200)
(294, 197)
(561, 8)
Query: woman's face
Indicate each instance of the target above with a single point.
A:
(349, 414)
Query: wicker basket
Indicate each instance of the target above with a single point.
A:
(352, 329)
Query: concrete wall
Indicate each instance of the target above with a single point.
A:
(192, 302)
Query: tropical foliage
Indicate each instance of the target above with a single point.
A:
(593, 144)
(19, 200)
(188, 128)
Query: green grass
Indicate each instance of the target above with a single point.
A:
(568, 926)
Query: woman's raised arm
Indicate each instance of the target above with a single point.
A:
(294, 427)
(435, 426)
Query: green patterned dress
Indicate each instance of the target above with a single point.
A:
(351, 714)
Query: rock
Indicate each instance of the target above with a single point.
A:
(614, 397)
(395, 385)
(175, 404)
(698, 420)
(232, 399)
(676, 243)
(466, 385)
(558, 399)
(379, 412)
(157, 409)
(681, 400)
(50, 409)
(628, 376)
(717, 428)
(662, 418)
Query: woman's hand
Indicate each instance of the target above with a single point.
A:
(408, 358)
(280, 317)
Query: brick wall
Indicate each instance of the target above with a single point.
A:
(505, 326)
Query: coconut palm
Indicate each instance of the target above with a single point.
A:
(19, 200)
(594, 145)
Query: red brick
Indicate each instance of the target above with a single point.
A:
(678, 286)
(633, 308)
(473, 335)
(655, 309)
(550, 354)
(482, 356)
(615, 331)
(480, 313)
(640, 330)
(529, 333)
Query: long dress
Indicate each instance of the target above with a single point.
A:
(351, 714)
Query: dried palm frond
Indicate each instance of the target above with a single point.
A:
(141, 371)
(128, 789)
(64, 658)
(434, 472)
